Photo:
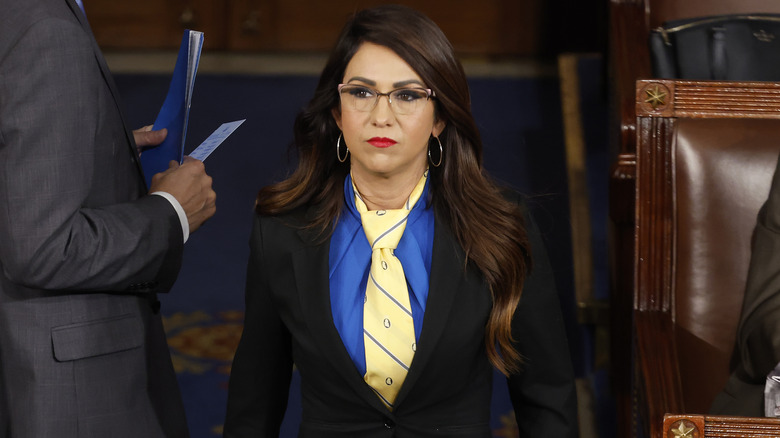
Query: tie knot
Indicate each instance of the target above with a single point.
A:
(384, 228)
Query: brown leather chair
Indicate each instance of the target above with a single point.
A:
(630, 24)
(706, 153)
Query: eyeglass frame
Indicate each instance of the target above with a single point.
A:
(430, 95)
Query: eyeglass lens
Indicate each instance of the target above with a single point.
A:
(402, 100)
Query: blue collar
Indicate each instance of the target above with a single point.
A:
(350, 259)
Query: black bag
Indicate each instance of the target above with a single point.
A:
(724, 47)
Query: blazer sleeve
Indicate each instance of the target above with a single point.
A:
(262, 366)
(543, 391)
(65, 223)
(758, 335)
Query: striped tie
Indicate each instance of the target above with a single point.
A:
(388, 327)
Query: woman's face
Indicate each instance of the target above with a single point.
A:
(383, 143)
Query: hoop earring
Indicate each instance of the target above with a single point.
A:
(338, 150)
(441, 153)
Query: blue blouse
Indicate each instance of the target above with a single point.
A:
(350, 260)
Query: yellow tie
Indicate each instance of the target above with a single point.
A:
(388, 327)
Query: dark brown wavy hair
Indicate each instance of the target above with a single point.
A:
(488, 227)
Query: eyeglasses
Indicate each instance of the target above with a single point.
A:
(403, 101)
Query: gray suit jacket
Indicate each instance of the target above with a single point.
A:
(83, 250)
(758, 335)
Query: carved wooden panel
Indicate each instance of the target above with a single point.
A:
(654, 213)
(710, 99)
(712, 426)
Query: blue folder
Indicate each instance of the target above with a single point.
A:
(175, 111)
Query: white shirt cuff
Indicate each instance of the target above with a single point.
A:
(185, 224)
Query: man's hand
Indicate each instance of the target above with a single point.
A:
(191, 186)
(145, 137)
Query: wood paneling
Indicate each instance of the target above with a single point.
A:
(155, 24)
(490, 27)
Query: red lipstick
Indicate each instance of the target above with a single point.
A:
(381, 142)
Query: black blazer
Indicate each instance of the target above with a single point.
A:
(447, 392)
(757, 349)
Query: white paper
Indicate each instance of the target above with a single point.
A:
(215, 139)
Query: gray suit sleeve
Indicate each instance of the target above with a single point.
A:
(67, 215)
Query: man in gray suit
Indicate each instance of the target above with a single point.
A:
(758, 335)
(84, 245)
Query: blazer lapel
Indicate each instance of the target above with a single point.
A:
(106, 73)
(311, 276)
(79, 15)
(447, 261)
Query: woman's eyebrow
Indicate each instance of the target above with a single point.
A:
(407, 82)
(395, 84)
(362, 79)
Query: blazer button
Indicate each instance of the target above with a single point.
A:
(389, 423)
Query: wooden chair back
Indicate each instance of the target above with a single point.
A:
(706, 153)
(630, 23)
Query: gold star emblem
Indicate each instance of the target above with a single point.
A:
(764, 36)
(683, 431)
(655, 97)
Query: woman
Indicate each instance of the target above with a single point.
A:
(394, 325)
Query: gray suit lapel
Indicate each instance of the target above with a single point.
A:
(104, 70)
